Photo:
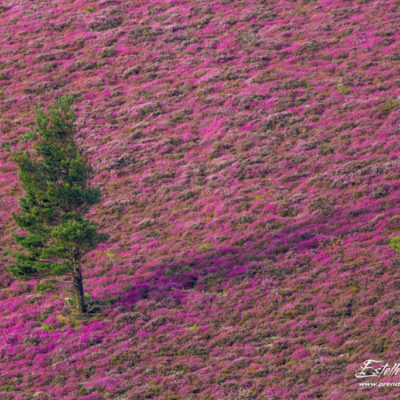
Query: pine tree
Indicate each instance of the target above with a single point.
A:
(55, 177)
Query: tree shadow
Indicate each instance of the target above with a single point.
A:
(272, 256)
(170, 282)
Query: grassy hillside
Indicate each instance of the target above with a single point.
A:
(247, 152)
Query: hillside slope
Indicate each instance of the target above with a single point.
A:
(247, 152)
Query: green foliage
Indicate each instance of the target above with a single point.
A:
(29, 135)
(55, 178)
(342, 89)
(44, 286)
(193, 327)
(47, 328)
(395, 243)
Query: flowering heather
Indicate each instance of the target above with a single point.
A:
(247, 155)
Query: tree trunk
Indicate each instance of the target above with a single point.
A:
(78, 290)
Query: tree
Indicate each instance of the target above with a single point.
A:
(55, 177)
